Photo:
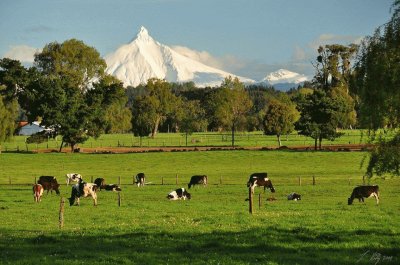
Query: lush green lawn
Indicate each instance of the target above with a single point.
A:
(196, 139)
(212, 228)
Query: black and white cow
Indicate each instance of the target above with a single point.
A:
(140, 179)
(73, 177)
(112, 187)
(294, 196)
(260, 179)
(83, 189)
(179, 194)
(362, 192)
(198, 179)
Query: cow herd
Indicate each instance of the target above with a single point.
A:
(85, 189)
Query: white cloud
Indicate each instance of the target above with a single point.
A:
(325, 39)
(22, 53)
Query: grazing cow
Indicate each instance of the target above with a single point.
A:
(49, 183)
(73, 177)
(294, 196)
(362, 192)
(140, 179)
(100, 182)
(260, 179)
(37, 192)
(198, 179)
(179, 194)
(112, 187)
(83, 189)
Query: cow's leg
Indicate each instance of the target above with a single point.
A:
(376, 197)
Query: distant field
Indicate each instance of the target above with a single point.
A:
(196, 139)
(212, 228)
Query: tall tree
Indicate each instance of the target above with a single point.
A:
(230, 104)
(377, 82)
(70, 91)
(279, 118)
(152, 108)
(193, 119)
(13, 76)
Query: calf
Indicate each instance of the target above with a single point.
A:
(294, 196)
(37, 192)
(140, 179)
(49, 183)
(83, 189)
(198, 179)
(73, 177)
(112, 187)
(179, 194)
(260, 179)
(362, 192)
(100, 182)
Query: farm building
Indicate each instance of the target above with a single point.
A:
(26, 128)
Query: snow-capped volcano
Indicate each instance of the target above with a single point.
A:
(284, 79)
(143, 58)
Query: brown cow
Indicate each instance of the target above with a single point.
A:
(362, 192)
(260, 179)
(198, 179)
(49, 183)
(37, 192)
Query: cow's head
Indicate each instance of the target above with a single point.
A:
(269, 185)
(188, 196)
(349, 201)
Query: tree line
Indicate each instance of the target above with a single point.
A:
(68, 90)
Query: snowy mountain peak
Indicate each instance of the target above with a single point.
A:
(283, 79)
(143, 35)
(145, 58)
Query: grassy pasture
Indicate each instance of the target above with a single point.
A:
(197, 139)
(212, 228)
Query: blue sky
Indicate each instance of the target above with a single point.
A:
(246, 37)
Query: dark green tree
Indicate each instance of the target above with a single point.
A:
(193, 119)
(70, 91)
(377, 83)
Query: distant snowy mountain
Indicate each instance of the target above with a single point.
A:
(145, 58)
(284, 79)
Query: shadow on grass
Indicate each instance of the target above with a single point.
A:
(267, 246)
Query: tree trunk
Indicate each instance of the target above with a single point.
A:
(279, 140)
(155, 129)
(233, 135)
(315, 143)
(186, 139)
(320, 142)
(62, 143)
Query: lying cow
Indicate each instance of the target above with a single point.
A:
(294, 196)
(49, 183)
(100, 182)
(140, 179)
(260, 179)
(179, 194)
(83, 189)
(362, 192)
(198, 179)
(73, 177)
(112, 187)
(37, 192)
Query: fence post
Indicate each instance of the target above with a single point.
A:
(259, 201)
(162, 180)
(35, 181)
(119, 199)
(133, 180)
(349, 182)
(220, 179)
(299, 181)
(313, 180)
(250, 201)
(119, 181)
(61, 214)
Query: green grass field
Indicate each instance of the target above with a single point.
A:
(197, 139)
(214, 227)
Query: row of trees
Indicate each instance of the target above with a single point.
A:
(68, 90)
